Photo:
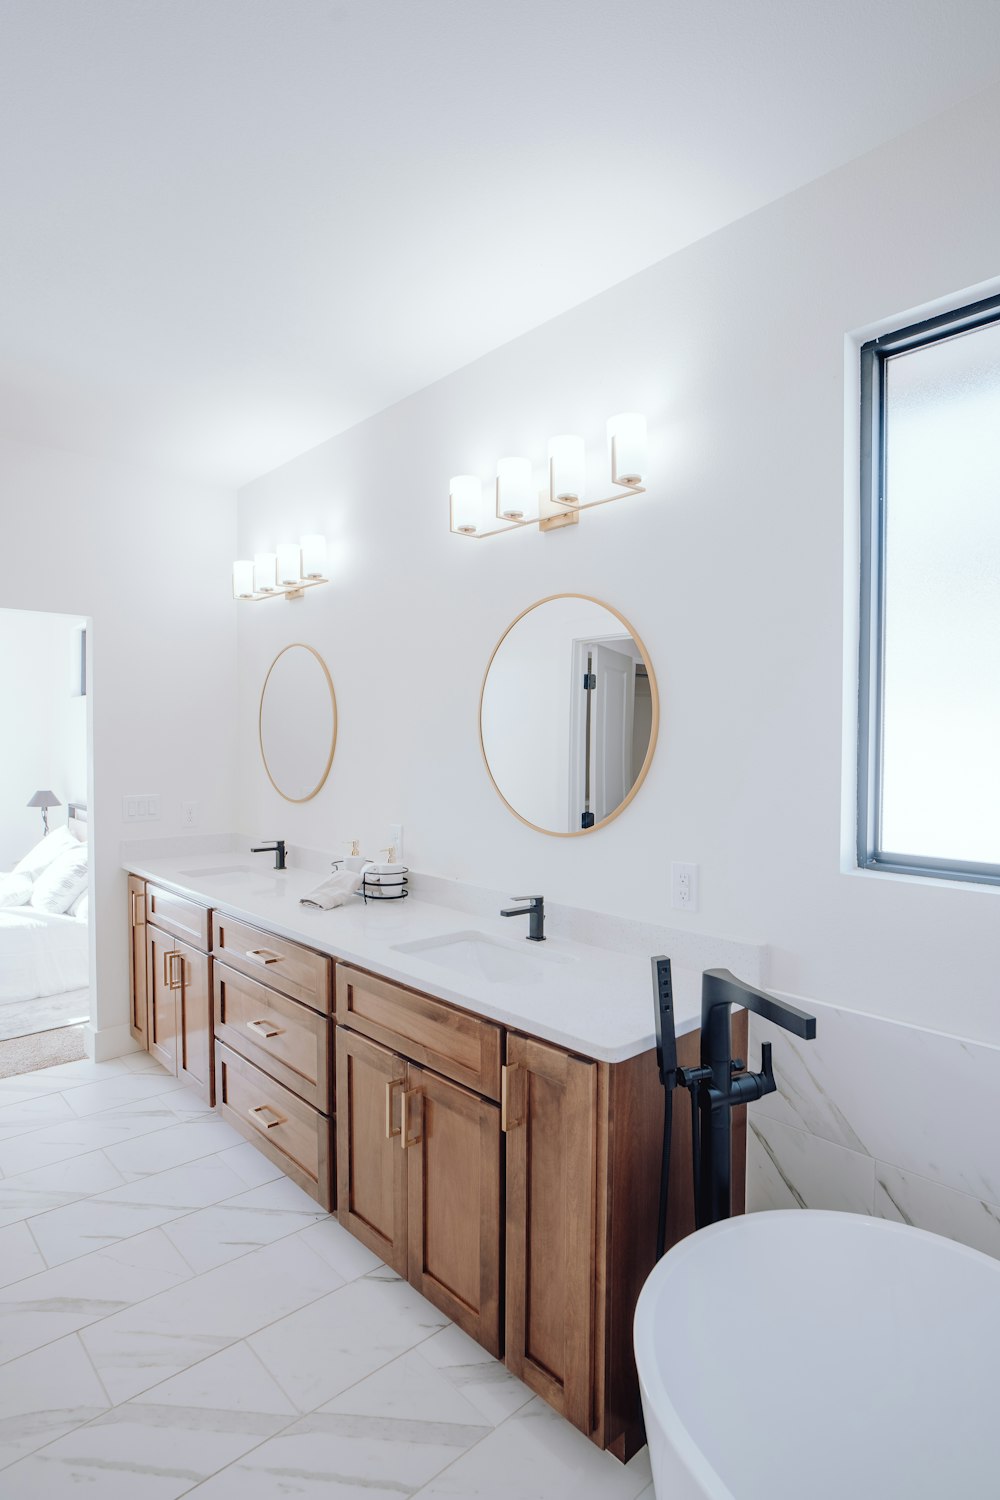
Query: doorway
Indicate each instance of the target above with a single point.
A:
(45, 835)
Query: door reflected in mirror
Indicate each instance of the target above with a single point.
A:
(569, 715)
(297, 723)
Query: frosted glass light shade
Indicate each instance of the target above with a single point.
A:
(314, 555)
(265, 567)
(567, 467)
(515, 492)
(467, 514)
(243, 578)
(627, 447)
(289, 562)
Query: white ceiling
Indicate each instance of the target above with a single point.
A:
(231, 228)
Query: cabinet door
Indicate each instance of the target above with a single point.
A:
(452, 1146)
(162, 985)
(194, 1017)
(371, 1166)
(137, 958)
(550, 1118)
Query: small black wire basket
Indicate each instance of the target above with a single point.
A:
(371, 890)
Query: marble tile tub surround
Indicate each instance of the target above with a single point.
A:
(177, 1317)
(878, 1117)
(592, 992)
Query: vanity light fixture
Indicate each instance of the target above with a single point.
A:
(520, 503)
(283, 574)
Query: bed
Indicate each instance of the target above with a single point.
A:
(41, 953)
(44, 952)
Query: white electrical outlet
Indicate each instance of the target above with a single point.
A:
(396, 839)
(189, 814)
(684, 887)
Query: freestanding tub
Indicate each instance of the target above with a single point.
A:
(800, 1355)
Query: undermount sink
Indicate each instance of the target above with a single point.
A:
(485, 957)
(229, 870)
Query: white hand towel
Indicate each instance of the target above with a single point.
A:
(334, 891)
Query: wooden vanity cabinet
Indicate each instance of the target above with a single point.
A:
(550, 1104)
(419, 1162)
(180, 1009)
(137, 958)
(583, 1143)
(178, 983)
(274, 1046)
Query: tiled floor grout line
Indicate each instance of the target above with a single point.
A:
(302, 1415)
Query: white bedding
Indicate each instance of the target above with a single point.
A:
(41, 954)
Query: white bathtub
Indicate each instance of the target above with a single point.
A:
(805, 1356)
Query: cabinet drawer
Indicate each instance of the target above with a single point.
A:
(280, 964)
(450, 1041)
(293, 1134)
(173, 913)
(281, 1036)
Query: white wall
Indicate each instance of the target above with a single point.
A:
(147, 558)
(43, 732)
(732, 569)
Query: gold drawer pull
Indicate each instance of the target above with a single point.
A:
(406, 1140)
(506, 1123)
(264, 955)
(134, 897)
(390, 1129)
(266, 1029)
(170, 979)
(261, 1109)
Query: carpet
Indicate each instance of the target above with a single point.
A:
(26, 1054)
(25, 1017)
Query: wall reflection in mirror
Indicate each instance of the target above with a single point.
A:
(569, 715)
(297, 723)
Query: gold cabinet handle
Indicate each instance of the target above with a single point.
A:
(170, 981)
(264, 955)
(264, 1029)
(134, 897)
(390, 1129)
(405, 1139)
(257, 1112)
(506, 1122)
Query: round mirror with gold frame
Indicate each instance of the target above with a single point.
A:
(297, 723)
(569, 715)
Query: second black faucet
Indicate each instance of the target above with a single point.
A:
(535, 912)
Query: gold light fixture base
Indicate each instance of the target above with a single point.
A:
(555, 523)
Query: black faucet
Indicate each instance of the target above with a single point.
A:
(535, 912)
(719, 1088)
(279, 852)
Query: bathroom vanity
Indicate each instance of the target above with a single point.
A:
(487, 1119)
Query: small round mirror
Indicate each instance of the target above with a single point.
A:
(298, 723)
(569, 715)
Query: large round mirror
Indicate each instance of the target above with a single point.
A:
(569, 715)
(298, 723)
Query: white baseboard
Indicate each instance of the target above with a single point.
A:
(113, 1041)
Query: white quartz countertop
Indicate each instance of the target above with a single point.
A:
(594, 1001)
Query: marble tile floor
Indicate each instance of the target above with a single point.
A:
(177, 1317)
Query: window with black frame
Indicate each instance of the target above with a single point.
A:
(929, 702)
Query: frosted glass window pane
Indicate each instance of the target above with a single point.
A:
(941, 714)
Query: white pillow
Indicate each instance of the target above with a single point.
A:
(15, 890)
(81, 907)
(78, 829)
(58, 886)
(44, 853)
